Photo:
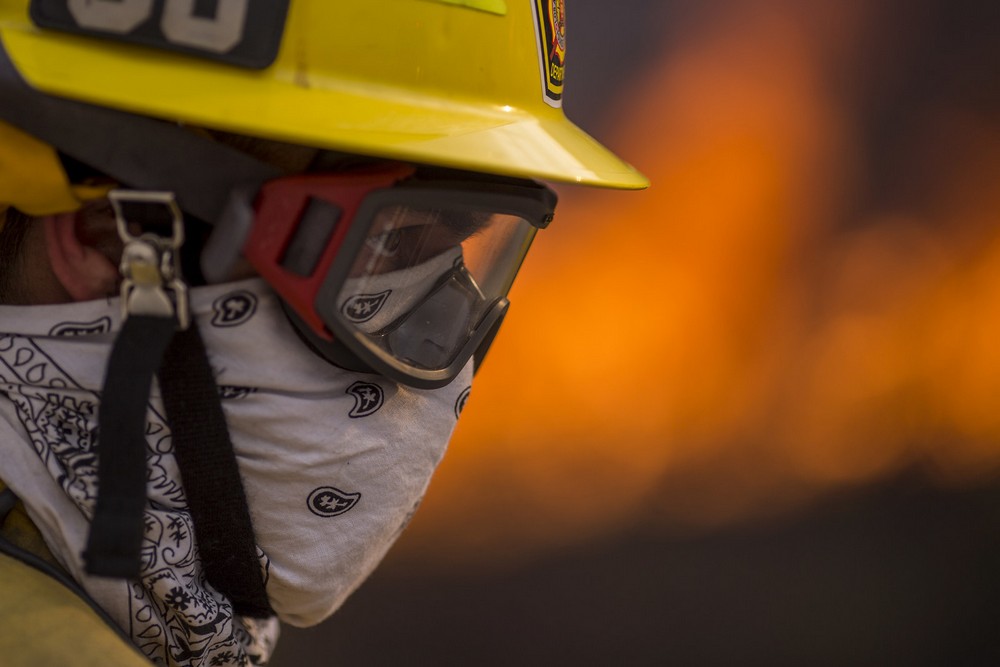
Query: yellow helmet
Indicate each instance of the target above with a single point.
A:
(399, 265)
(458, 101)
(470, 84)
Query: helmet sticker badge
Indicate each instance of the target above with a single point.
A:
(550, 24)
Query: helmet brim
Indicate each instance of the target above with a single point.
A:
(349, 116)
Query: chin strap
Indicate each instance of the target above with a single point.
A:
(158, 337)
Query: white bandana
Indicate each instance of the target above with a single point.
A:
(375, 301)
(334, 463)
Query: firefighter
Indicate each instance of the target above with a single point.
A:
(253, 252)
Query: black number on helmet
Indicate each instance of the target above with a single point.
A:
(240, 32)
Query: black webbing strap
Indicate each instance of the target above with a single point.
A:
(207, 462)
(204, 453)
(115, 541)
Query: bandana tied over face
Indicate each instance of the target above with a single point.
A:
(333, 462)
(374, 302)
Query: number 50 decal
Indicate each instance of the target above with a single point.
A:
(241, 32)
(179, 23)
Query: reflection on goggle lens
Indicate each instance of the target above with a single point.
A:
(428, 281)
(402, 237)
(436, 329)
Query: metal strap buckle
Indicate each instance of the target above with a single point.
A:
(151, 226)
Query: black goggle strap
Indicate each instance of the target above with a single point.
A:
(158, 337)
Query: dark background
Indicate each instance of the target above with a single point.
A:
(899, 574)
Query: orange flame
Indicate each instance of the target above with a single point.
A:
(740, 336)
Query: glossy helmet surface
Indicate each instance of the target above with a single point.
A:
(470, 84)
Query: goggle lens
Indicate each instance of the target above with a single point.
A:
(382, 270)
(425, 278)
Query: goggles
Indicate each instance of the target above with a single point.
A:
(387, 268)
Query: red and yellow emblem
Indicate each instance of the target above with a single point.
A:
(550, 21)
